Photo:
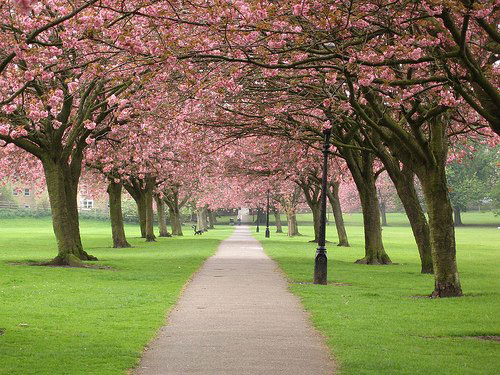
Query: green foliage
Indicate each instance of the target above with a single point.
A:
(377, 319)
(6, 195)
(21, 212)
(88, 321)
(474, 178)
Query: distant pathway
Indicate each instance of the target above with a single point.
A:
(237, 317)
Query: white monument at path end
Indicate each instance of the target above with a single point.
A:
(244, 215)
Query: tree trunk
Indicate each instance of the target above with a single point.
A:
(333, 197)
(204, 215)
(405, 187)
(442, 232)
(211, 219)
(312, 194)
(62, 187)
(201, 214)
(374, 247)
(360, 164)
(383, 214)
(162, 218)
(150, 236)
(277, 221)
(315, 208)
(136, 189)
(403, 179)
(175, 221)
(141, 211)
(293, 228)
(116, 215)
(457, 216)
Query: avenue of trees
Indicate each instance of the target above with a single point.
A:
(211, 104)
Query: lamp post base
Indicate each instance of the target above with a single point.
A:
(257, 230)
(320, 268)
(268, 234)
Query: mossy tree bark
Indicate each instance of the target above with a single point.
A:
(211, 219)
(333, 197)
(442, 231)
(403, 179)
(175, 221)
(405, 186)
(62, 186)
(171, 198)
(277, 220)
(116, 214)
(162, 218)
(360, 163)
(424, 149)
(150, 235)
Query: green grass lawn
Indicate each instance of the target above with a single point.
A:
(88, 321)
(376, 319)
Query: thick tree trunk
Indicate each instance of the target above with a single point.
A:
(442, 232)
(405, 187)
(277, 221)
(150, 236)
(141, 211)
(204, 214)
(361, 166)
(62, 187)
(175, 221)
(333, 197)
(293, 228)
(374, 247)
(201, 214)
(403, 179)
(457, 216)
(211, 219)
(162, 218)
(116, 215)
(383, 215)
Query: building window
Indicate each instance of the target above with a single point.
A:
(14, 192)
(87, 204)
(27, 192)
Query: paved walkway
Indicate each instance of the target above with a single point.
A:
(237, 317)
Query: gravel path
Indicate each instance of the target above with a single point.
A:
(237, 317)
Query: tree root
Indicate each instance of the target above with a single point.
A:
(383, 260)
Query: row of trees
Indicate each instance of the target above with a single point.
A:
(184, 101)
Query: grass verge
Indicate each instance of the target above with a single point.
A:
(88, 321)
(377, 320)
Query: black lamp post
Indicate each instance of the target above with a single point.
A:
(320, 262)
(258, 219)
(268, 234)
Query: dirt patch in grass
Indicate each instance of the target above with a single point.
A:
(2, 331)
(44, 264)
(484, 337)
(329, 283)
(478, 337)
